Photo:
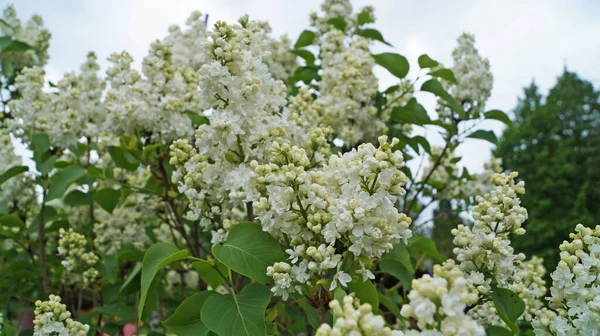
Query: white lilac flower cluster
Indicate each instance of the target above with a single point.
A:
(354, 319)
(245, 103)
(348, 205)
(154, 103)
(438, 303)
(575, 293)
(340, 10)
(473, 76)
(485, 248)
(280, 59)
(73, 111)
(18, 193)
(78, 262)
(347, 89)
(52, 318)
(31, 32)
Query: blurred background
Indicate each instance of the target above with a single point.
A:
(543, 57)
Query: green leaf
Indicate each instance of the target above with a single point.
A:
(12, 172)
(8, 330)
(196, 118)
(423, 142)
(426, 62)
(78, 197)
(123, 159)
(364, 17)
(396, 64)
(497, 331)
(338, 23)
(132, 283)
(500, 116)
(398, 271)
(46, 166)
(365, 292)
(40, 142)
(17, 46)
(306, 55)
(484, 135)
(123, 312)
(509, 306)
(249, 251)
(109, 269)
(401, 254)
(446, 74)
(208, 273)
(435, 87)
(241, 314)
(312, 314)
(11, 220)
(373, 34)
(305, 74)
(305, 39)
(157, 256)
(389, 304)
(186, 321)
(426, 245)
(62, 180)
(411, 113)
(107, 198)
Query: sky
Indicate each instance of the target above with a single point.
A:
(524, 40)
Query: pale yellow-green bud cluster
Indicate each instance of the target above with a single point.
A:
(77, 260)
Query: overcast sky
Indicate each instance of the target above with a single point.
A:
(523, 40)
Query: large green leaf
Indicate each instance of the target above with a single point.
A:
(426, 245)
(435, 87)
(412, 113)
(123, 158)
(78, 197)
(60, 182)
(509, 306)
(241, 314)
(426, 62)
(373, 34)
(156, 257)
(389, 304)
(12, 172)
(396, 64)
(446, 74)
(365, 292)
(484, 135)
(306, 55)
(400, 253)
(500, 116)
(305, 39)
(186, 321)
(107, 198)
(497, 331)
(398, 271)
(249, 251)
(8, 330)
(208, 273)
(40, 142)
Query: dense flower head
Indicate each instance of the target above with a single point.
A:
(574, 296)
(438, 303)
(31, 32)
(78, 261)
(352, 318)
(485, 248)
(245, 104)
(474, 80)
(348, 87)
(347, 205)
(53, 318)
(73, 111)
